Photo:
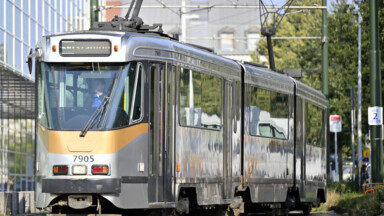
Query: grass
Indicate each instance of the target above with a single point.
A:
(353, 203)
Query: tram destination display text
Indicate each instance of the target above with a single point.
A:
(85, 48)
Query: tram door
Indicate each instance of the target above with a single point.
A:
(227, 151)
(159, 188)
(300, 145)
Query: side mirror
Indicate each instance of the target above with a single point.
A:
(29, 61)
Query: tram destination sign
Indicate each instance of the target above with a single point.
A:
(85, 48)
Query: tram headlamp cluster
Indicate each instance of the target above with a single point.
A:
(100, 170)
(60, 170)
(79, 170)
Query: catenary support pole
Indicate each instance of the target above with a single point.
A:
(375, 84)
(183, 23)
(353, 130)
(359, 89)
(94, 14)
(324, 74)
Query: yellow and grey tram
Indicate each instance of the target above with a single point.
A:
(129, 119)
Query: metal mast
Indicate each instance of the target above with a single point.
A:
(324, 74)
(359, 90)
(375, 83)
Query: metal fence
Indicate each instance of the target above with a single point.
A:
(17, 203)
(17, 129)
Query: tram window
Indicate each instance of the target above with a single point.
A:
(128, 111)
(42, 108)
(200, 100)
(69, 93)
(315, 129)
(269, 113)
(136, 112)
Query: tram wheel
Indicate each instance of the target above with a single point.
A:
(307, 209)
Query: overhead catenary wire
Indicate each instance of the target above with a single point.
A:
(261, 38)
(234, 6)
(215, 6)
(165, 6)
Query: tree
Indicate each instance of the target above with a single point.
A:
(306, 55)
(365, 55)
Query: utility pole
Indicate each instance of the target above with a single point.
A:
(353, 130)
(94, 11)
(183, 22)
(324, 74)
(375, 84)
(359, 89)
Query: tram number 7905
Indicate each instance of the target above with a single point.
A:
(83, 158)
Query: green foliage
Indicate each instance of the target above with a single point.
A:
(348, 186)
(295, 54)
(343, 56)
(379, 193)
(351, 203)
(341, 199)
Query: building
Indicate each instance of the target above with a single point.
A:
(22, 24)
(229, 31)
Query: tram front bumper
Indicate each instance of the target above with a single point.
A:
(81, 186)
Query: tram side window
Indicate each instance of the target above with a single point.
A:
(269, 113)
(130, 102)
(42, 115)
(134, 72)
(315, 127)
(200, 100)
(136, 112)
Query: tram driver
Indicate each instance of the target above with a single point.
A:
(96, 96)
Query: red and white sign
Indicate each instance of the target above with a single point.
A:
(335, 123)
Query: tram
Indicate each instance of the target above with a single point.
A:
(131, 120)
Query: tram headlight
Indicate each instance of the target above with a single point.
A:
(79, 170)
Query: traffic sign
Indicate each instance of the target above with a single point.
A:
(335, 123)
(375, 115)
(366, 153)
(366, 160)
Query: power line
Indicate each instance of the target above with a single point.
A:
(165, 6)
(275, 7)
(261, 38)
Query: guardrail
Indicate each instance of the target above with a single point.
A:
(17, 203)
(370, 188)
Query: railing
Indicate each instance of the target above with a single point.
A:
(370, 188)
(17, 203)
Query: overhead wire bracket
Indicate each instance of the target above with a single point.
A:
(270, 20)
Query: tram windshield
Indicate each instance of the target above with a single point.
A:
(95, 96)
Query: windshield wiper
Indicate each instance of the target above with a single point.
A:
(98, 113)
